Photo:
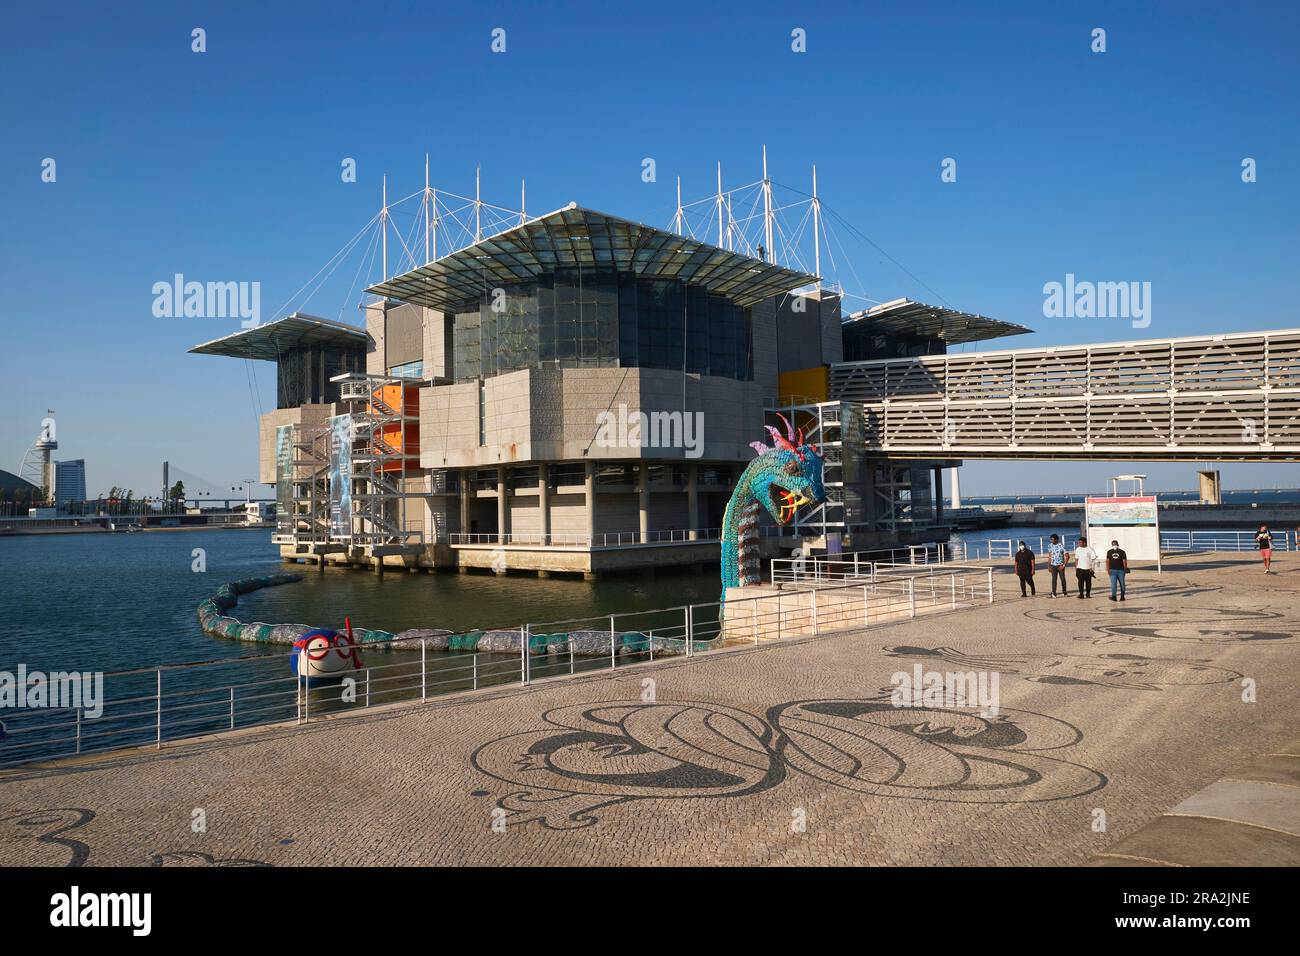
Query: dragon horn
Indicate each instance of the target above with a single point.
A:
(759, 447)
(775, 434)
(789, 429)
(800, 441)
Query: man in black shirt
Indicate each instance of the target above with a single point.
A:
(1117, 565)
(1025, 569)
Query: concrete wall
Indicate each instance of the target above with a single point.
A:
(397, 335)
(437, 348)
(303, 415)
(555, 415)
(812, 336)
(404, 335)
(568, 514)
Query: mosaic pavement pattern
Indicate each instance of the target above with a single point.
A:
(792, 753)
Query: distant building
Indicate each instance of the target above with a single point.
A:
(12, 484)
(69, 482)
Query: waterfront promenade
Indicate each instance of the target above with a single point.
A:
(1110, 715)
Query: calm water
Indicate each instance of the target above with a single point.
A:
(105, 602)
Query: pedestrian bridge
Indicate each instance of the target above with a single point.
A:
(1222, 397)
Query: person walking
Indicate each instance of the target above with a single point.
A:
(1264, 541)
(1057, 559)
(1117, 565)
(1085, 563)
(1025, 569)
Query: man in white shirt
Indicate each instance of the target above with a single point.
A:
(1085, 567)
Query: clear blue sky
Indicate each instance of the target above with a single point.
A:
(225, 166)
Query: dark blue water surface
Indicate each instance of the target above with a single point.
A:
(110, 602)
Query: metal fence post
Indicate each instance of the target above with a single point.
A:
(779, 623)
(306, 701)
(613, 651)
(990, 574)
(911, 595)
(866, 618)
(523, 653)
(690, 626)
(814, 612)
(158, 736)
(423, 683)
(367, 686)
(572, 652)
(475, 665)
(78, 730)
(232, 706)
(952, 579)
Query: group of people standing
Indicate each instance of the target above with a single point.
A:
(1085, 568)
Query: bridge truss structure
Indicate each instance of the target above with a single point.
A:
(1219, 398)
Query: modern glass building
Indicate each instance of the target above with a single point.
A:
(69, 482)
(579, 393)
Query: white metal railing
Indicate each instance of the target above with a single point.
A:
(1224, 541)
(853, 563)
(582, 540)
(149, 706)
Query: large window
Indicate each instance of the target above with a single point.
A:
(580, 319)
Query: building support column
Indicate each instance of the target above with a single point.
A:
(589, 499)
(693, 501)
(544, 502)
(643, 500)
(956, 488)
(938, 495)
(466, 488)
(503, 506)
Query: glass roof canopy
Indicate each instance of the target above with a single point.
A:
(905, 317)
(577, 238)
(268, 342)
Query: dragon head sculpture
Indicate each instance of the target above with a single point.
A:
(786, 476)
(782, 479)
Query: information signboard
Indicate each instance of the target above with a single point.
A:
(1132, 520)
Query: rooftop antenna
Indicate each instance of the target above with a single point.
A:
(817, 233)
(677, 219)
(478, 207)
(523, 201)
(719, 204)
(767, 210)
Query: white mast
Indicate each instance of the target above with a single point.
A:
(478, 207)
(767, 209)
(817, 234)
(719, 204)
(428, 215)
(731, 227)
(677, 219)
(383, 225)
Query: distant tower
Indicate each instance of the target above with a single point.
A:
(38, 463)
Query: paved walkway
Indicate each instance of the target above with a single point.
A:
(1110, 715)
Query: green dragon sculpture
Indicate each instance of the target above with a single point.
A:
(782, 479)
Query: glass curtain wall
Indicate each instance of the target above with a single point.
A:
(585, 319)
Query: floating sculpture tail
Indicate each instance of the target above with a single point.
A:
(782, 479)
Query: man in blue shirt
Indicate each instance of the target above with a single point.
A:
(1057, 559)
